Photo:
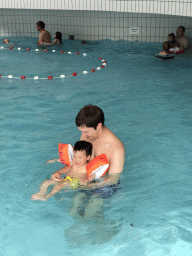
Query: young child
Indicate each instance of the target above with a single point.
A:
(166, 48)
(82, 152)
(58, 39)
(6, 41)
(171, 40)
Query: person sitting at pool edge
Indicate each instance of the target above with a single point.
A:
(181, 39)
(58, 39)
(44, 36)
(166, 48)
(82, 152)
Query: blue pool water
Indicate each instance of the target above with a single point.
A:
(147, 104)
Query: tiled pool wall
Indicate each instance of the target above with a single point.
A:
(95, 24)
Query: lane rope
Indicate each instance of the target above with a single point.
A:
(62, 76)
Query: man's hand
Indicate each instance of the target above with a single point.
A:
(83, 181)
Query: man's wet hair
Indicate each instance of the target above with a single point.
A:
(83, 145)
(90, 116)
(41, 24)
(183, 28)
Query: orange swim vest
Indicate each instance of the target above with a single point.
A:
(98, 166)
(65, 153)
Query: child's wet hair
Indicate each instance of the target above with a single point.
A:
(59, 36)
(166, 46)
(83, 145)
(172, 35)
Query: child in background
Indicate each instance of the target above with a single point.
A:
(174, 47)
(82, 152)
(166, 48)
(6, 41)
(172, 41)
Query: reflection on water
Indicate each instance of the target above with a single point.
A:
(91, 224)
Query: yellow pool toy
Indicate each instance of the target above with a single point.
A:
(74, 182)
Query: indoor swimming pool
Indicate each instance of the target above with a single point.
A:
(147, 103)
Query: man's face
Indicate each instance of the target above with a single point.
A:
(38, 28)
(88, 132)
(180, 32)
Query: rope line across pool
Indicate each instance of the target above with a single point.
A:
(104, 63)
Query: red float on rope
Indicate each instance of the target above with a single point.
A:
(28, 49)
(61, 51)
(45, 50)
(0, 76)
(102, 66)
(104, 61)
(92, 70)
(50, 77)
(10, 47)
(74, 74)
(100, 58)
(77, 52)
(23, 77)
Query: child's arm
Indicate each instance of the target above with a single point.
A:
(53, 161)
(57, 175)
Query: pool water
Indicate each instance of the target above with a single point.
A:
(147, 104)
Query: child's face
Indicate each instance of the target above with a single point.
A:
(80, 158)
(169, 38)
(6, 41)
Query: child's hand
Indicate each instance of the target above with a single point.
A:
(83, 181)
(50, 161)
(53, 161)
(56, 177)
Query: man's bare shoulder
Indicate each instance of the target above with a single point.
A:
(111, 140)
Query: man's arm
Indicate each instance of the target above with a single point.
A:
(116, 164)
(41, 39)
(186, 43)
(117, 159)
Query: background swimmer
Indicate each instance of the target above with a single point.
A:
(6, 41)
(83, 42)
(166, 48)
(172, 41)
(58, 39)
(44, 36)
(181, 39)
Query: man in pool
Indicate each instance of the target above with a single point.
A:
(90, 121)
(181, 39)
(44, 36)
